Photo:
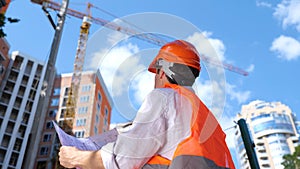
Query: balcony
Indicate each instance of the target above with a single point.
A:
(14, 115)
(21, 91)
(25, 118)
(18, 144)
(16, 67)
(21, 131)
(5, 141)
(13, 76)
(35, 84)
(13, 159)
(9, 128)
(9, 87)
(24, 81)
(18, 102)
(28, 68)
(32, 95)
(5, 98)
(28, 106)
(2, 155)
(2, 110)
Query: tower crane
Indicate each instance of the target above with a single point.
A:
(146, 37)
(79, 58)
(76, 76)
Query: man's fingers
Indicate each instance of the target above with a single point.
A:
(66, 156)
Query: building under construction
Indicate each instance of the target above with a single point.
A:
(20, 92)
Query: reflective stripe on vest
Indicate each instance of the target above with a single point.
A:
(206, 146)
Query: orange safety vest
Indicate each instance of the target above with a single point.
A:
(210, 152)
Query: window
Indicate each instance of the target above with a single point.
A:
(105, 122)
(106, 112)
(44, 151)
(56, 91)
(95, 130)
(62, 113)
(82, 110)
(41, 164)
(52, 113)
(97, 118)
(81, 122)
(47, 138)
(79, 134)
(64, 104)
(55, 102)
(84, 98)
(49, 125)
(99, 96)
(98, 107)
(86, 88)
(67, 91)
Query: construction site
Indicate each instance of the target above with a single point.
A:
(33, 94)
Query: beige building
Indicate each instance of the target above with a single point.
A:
(93, 113)
(273, 131)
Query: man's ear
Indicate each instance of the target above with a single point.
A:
(162, 74)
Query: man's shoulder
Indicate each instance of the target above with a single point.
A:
(164, 91)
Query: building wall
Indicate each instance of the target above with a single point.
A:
(4, 58)
(273, 131)
(86, 111)
(18, 104)
(102, 107)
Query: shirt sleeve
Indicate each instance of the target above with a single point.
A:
(143, 139)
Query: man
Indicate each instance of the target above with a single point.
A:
(173, 128)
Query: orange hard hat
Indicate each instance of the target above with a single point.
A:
(178, 51)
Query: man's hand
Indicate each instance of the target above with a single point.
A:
(71, 157)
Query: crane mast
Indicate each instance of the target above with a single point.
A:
(76, 76)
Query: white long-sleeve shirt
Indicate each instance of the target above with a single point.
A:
(162, 122)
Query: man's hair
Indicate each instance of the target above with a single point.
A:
(183, 75)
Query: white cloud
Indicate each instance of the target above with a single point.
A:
(229, 128)
(208, 89)
(287, 48)
(263, 4)
(288, 13)
(142, 85)
(205, 89)
(239, 96)
(204, 43)
(116, 65)
(250, 68)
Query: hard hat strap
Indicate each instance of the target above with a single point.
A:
(166, 67)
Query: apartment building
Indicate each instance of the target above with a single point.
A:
(273, 130)
(93, 113)
(18, 104)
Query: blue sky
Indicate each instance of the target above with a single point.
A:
(261, 37)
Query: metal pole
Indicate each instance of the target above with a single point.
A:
(249, 145)
(43, 104)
